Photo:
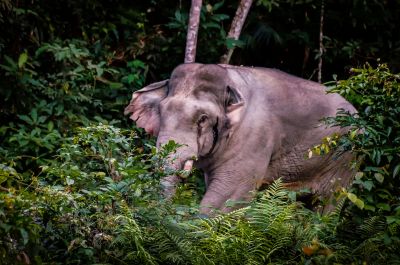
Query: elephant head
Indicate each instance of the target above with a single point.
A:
(242, 126)
(193, 108)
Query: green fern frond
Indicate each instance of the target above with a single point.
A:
(172, 245)
(276, 190)
(273, 210)
(372, 226)
(131, 236)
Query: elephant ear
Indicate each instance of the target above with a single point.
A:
(234, 105)
(144, 106)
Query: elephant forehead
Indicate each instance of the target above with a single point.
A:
(198, 80)
(187, 106)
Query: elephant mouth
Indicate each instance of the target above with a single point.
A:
(188, 165)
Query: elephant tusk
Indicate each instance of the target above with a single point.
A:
(188, 165)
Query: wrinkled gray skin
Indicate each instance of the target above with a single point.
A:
(245, 127)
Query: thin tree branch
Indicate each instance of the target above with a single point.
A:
(4, 189)
(193, 28)
(321, 39)
(236, 27)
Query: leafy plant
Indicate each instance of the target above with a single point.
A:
(375, 141)
(75, 192)
(78, 90)
(74, 207)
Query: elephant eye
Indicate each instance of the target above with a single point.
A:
(232, 98)
(202, 119)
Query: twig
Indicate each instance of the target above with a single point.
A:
(4, 189)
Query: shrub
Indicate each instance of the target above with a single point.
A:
(79, 88)
(77, 208)
(375, 140)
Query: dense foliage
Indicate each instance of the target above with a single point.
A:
(78, 187)
(375, 139)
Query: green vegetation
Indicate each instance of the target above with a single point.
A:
(79, 186)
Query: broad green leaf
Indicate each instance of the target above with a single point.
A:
(130, 78)
(10, 61)
(353, 134)
(359, 203)
(100, 174)
(219, 17)
(23, 57)
(393, 219)
(26, 119)
(178, 15)
(7, 68)
(386, 239)
(368, 184)
(24, 235)
(383, 206)
(396, 170)
(42, 119)
(353, 198)
(374, 169)
(379, 177)
(211, 25)
(50, 126)
(218, 5)
(34, 115)
(137, 64)
(231, 43)
(359, 175)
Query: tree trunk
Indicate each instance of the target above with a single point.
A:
(236, 27)
(193, 28)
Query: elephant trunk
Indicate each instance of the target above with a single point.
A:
(183, 159)
(170, 182)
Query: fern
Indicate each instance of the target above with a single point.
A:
(372, 226)
(132, 236)
(174, 247)
(376, 243)
(271, 230)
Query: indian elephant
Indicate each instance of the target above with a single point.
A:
(244, 127)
